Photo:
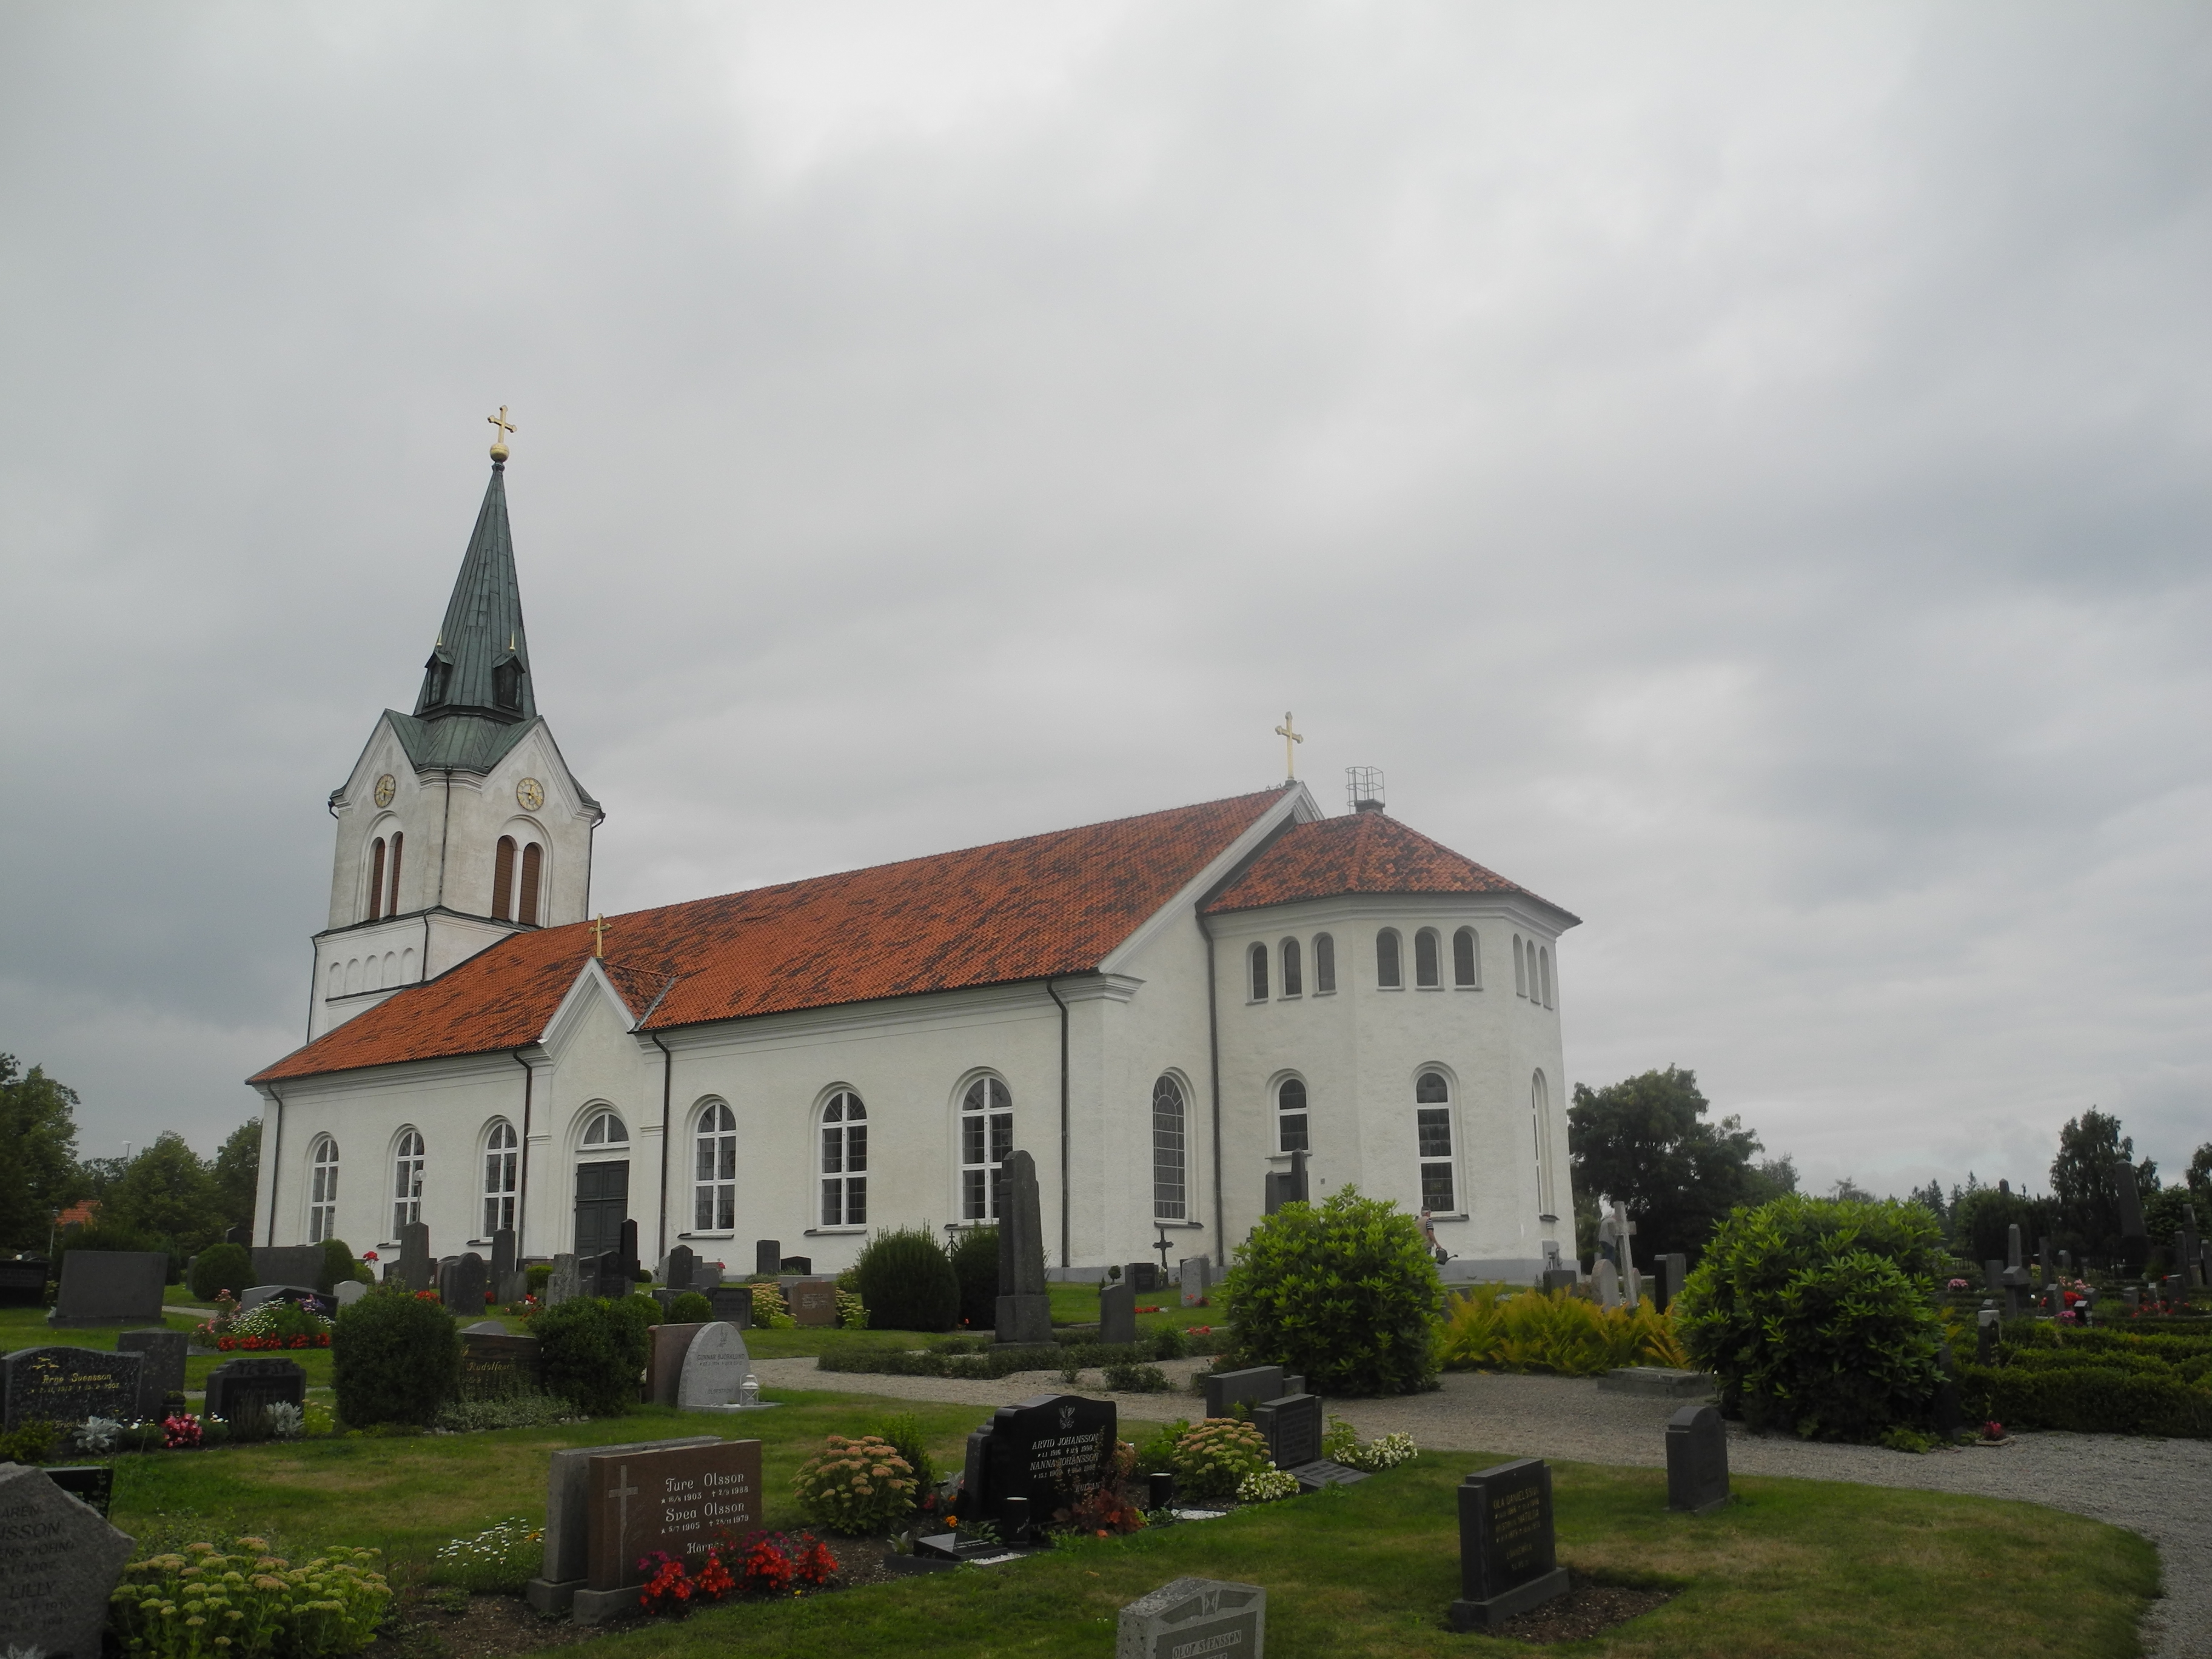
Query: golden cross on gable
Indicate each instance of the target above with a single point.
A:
(1290, 755)
(600, 932)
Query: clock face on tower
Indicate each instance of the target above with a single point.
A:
(385, 786)
(529, 794)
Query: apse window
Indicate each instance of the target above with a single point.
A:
(1291, 1117)
(1433, 1129)
(714, 1169)
(844, 1161)
(987, 1140)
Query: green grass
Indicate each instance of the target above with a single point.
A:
(27, 1327)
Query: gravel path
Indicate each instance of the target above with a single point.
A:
(2161, 1489)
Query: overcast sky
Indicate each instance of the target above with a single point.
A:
(1741, 471)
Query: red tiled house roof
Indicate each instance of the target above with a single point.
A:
(1364, 853)
(1016, 911)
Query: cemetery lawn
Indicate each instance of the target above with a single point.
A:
(1793, 1567)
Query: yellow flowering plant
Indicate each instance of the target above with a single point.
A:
(856, 1485)
(207, 1601)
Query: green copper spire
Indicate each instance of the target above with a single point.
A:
(480, 666)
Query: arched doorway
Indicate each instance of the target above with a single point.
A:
(602, 1184)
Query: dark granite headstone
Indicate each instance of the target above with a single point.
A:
(23, 1281)
(1674, 1273)
(502, 1253)
(1118, 1314)
(59, 1563)
(2130, 1189)
(111, 1287)
(66, 1385)
(163, 1372)
(1024, 1308)
(1195, 1618)
(609, 1277)
(1507, 1557)
(682, 1500)
(1293, 1425)
(241, 1389)
(92, 1484)
(628, 1251)
(567, 1514)
(1227, 1389)
(801, 1265)
(1047, 1448)
(1559, 1278)
(813, 1302)
(768, 1256)
(498, 1364)
(415, 1256)
(1993, 1275)
(1142, 1277)
(732, 1305)
(1696, 1460)
(289, 1264)
(681, 1260)
(462, 1284)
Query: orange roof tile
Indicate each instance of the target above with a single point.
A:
(1362, 853)
(1016, 911)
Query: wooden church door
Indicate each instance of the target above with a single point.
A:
(602, 1206)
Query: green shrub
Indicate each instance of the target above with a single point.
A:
(1344, 1293)
(855, 1486)
(593, 1351)
(30, 1441)
(2090, 1399)
(222, 1268)
(1552, 1331)
(394, 1359)
(536, 1277)
(690, 1309)
(1136, 1379)
(501, 1559)
(907, 1281)
(1158, 1453)
(506, 1410)
(975, 1264)
(904, 1434)
(770, 1311)
(1211, 1460)
(1816, 1315)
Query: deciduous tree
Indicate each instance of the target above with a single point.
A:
(1645, 1142)
(38, 1172)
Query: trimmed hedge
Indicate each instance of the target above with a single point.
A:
(593, 1351)
(394, 1359)
(907, 1282)
(2087, 1398)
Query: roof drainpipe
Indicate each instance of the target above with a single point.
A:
(522, 1176)
(276, 1162)
(1214, 1066)
(1064, 1223)
(667, 1084)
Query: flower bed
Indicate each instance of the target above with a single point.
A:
(271, 1328)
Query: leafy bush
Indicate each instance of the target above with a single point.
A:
(395, 1358)
(1136, 1379)
(1167, 1343)
(30, 1441)
(2087, 1398)
(206, 1602)
(907, 1281)
(593, 1351)
(1211, 1460)
(1815, 1315)
(1158, 1453)
(975, 1265)
(511, 1411)
(222, 1268)
(690, 1309)
(339, 1267)
(1344, 1293)
(855, 1486)
(536, 1277)
(904, 1434)
(1553, 1332)
(503, 1558)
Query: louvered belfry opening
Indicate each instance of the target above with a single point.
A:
(533, 865)
(503, 880)
(392, 899)
(376, 879)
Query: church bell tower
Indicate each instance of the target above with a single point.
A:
(461, 823)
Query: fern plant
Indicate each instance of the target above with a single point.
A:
(1552, 1332)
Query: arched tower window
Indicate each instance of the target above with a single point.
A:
(714, 1171)
(1291, 1117)
(1258, 957)
(322, 1190)
(392, 894)
(986, 1139)
(1539, 1118)
(1544, 966)
(1386, 973)
(1293, 969)
(502, 1173)
(533, 866)
(1324, 964)
(1428, 971)
(375, 878)
(503, 880)
(406, 1180)
(1520, 969)
(1467, 960)
(844, 1161)
(1167, 1162)
(1433, 1129)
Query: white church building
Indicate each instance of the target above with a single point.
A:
(1162, 1010)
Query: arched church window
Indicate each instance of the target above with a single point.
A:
(844, 1161)
(502, 1176)
(605, 1132)
(1324, 964)
(1544, 966)
(1167, 1164)
(406, 1180)
(714, 1171)
(533, 866)
(1433, 1129)
(1386, 973)
(1293, 969)
(503, 879)
(1258, 957)
(1520, 969)
(375, 878)
(392, 899)
(1467, 960)
(1428, 970)
(1291, 1115)
(1540, 1119)
(322, 1190)
(987, 1137)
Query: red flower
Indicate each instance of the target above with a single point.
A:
(714, 1581)
(369, 1255)
(816, 1567)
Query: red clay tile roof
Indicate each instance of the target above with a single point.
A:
(1016, 911)
(1362, 853)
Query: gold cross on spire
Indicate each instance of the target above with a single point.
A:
(1290, 755)
(599, 933)
(499, 440)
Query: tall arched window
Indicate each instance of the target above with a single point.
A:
(391, 893)
(1433, 1128)
(1324, 964)
(1540, 1119)
(1428, 969)
(605, 1133)
(533, 866)
(1387, 974)
(406, 1180)
(503, 879)
(1168, 1170)
(986, 1139)
(1544, 968)
(322, 1190)
(1294, 979)
(1467, 960)
(714, 1171)
(1291, 1117)
(844, 1161)
(376, 878)
(502, 1173)
(1520, 969)
(1258, 957)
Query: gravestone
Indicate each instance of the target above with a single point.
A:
(684, 1501)
(1118, 1314)
(1291, 1425)
(111, 1287)
(59, 1562)
(67, 1385)
(2131, 1196)
(714, 1369)
(497, 1365)
(415, 1256)
(240, 1234)
(350, 1292)
(1024, 1309)
(462, 1285)
(1606, 1281)
(627, 1248)
(1559, 1278)
(732, 1305)
(705, 1276)
(666, 1345)
(678, 1274)
(1674, 1270)
(1195, 1276)
(1697, 1460)
(1195, 1618)
(604, 1276)
(813, 1302)
(1248, 1387)
(502, 1252)
(510, 1280)
(768, 1256)
(162, 1370)
(241, 1390)
(565, 1283)
(1507, 1557)
(23, 1281)
(1993, 1275)
(306, 1296)
(2011, 1246)
(289, 1264)
(801, 1265)
(92, 1484)
(567, 1512)
(1143, 1277)
(1044, 1450)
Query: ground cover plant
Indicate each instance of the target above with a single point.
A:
(1489, 1329)
(239, 1600)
